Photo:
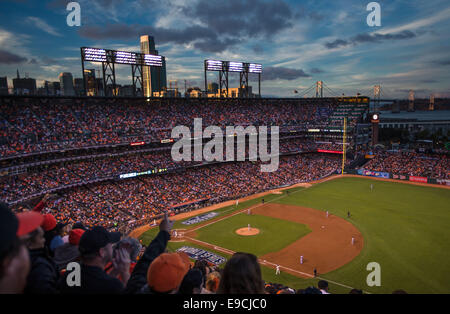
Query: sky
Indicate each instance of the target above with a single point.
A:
(297, 42)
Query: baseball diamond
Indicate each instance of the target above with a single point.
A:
(374, 225)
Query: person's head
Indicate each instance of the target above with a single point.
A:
(14, 258)
(192, 282)
(35, 239)
(96, 247)
(167, 271)
(323, 285)
(400, 291)
(75, 236)
(212, 281)
(242, 275)
(355, 291)
(132, 246)
(49, 224)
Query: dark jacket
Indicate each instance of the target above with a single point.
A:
(43, 276)
(138, 278)
(93, 280)
(65, 254)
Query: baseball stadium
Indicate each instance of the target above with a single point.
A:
(335, 204)
(309, 164)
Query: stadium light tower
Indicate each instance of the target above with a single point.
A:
(224, 67)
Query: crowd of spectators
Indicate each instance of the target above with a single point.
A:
(36, 252)
(124, 204)
(411, 163)
(30, 128)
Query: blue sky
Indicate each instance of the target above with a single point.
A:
(298, 42)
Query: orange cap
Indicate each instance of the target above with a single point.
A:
(167, 271)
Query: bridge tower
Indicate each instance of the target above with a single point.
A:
(376, 97)
(411, 101)
(319, 89)
(431, 106)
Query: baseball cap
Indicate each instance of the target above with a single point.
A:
(79, 225)
(13, 226)
(49, 222)
(75, 236)
(167, 271)
(93, 240)
(28, 222)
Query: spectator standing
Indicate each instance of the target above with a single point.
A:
(14, 257)
(241, 275)
(95, 252)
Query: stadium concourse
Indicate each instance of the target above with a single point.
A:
(81, 175)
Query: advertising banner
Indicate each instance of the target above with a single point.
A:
(443, 182)
(418, 179)
(198, 219)
(199, 254)
(371, 173)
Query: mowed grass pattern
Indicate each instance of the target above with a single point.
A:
(275, 234)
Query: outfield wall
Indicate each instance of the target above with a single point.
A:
(388, 175)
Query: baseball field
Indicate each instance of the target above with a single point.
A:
(402, 227)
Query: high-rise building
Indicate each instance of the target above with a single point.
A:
(78, 86)
(213, 88)
(4, 86)
(24, 86)
(154, 79)
(89, 76)
(66, 81)
(55, 88)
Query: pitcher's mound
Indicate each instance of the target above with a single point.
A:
(246, 232)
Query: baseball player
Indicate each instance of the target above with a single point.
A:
(371, 187)
(248, 227)
(327, 213)
(301, 259)
(278, 270)
(353, 241)
(237, 203)
(249, 212)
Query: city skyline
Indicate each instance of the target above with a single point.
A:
(297, 43)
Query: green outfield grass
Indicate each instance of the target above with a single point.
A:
(275, 234)
(405, 228)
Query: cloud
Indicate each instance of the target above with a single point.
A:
(10, 58)
(42, 25)
(442, 62)
(281, 73)
(370, 38)
(242, 17)
(376, 37)
(217, 25)
(337, 43)
(316, 71)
